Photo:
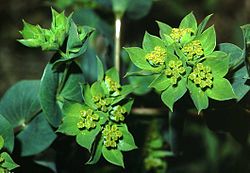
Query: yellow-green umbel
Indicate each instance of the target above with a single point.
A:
(101, 102)
(174, 71)
(202, 76)
(112, 85)
(111, 135)
(157, 56)
(88, 119)
(177, 33)
(117, 114)
(193, 50)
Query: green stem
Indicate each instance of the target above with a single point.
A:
(64, 78)
(117, 51)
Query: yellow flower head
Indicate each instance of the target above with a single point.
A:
(177, 33)
(157, 56)
(193, 50)
(87, 119)
(111, 135)
(174, 71)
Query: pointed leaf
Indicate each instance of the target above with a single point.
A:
(7, 134)
(189, 21)
(8, 162)
(208, 40)
(160, 83)
(127, 142)
(221, 90)
(203, 24)
(113, 156)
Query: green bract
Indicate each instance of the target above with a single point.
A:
(98, 123)
(184, 58)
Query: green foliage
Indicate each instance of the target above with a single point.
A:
(100, 120)
(197, 67)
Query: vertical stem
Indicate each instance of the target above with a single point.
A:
(117, 51)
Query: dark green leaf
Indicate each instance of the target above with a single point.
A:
(138, 9)
(87, 96)
(48, 94)
(36, 136)
(127, 142)
(203, 24)
(221, 90)
(96, 152)
(86, 137)
(198, 96)
(113, 156)
(8, 162)
(7, 133)
(160, 83)
(174, 93)
(47, 159)
(20, 103)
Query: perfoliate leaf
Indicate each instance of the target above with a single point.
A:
(235, 53)
(127, 142)
(219, 63)
(8, 163)
(7, 134)
(21, 103)
(164, 29)
(96, 152)
(208, 40)
(128, 105)
(203, 24)
(69, 126)
(198, 96)
(137, 56)
(160, 83)
(113, 156)
(221, 90)
(36, 136)
(48, 93)
(151, 41)
(86, 137)
(87, 96)
(174, 93)
(113, 74)
(189, 21)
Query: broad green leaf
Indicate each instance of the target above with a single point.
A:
(74, 42)
(7, 133)
(86, 137)
(160, 83)
(100, 69)
(151, 41)
(219, 63)
(174, 93)
(96, 89)
(20, 103)
(128, 105)
(203, 24)
(138, 9)
(127, 142)
(96, 152)
(208, 40)
(221, 90)
(71, 89)
(1, 142)
(137, 56)
(113, 74)
(127, 89)
(164, 29)
(239, 83)
(32, 35)
(198, 96)
(113, 156)
(103, 117)
(69, 126)
(73, 109)
(48, 95)
(189, 21)
(235, 54)
(87, 96)
(8, 162)
(36, 136)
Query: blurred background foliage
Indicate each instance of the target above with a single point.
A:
(216, 142)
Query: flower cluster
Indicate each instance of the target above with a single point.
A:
(193, 50)
(157, 56)
(174, 71)
(202, 76)
(177, 33)
(88, 119)
(111, 135)
(112, 85)
(102, 103)
(117, 114)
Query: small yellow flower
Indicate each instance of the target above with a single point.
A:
(174, 71)
(112, 85)
(111, 135)
(193, 50)
(177, 33)
(157, 56)
(87, 119)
